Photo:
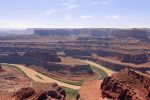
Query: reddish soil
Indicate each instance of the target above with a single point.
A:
(90, 91)
(11, 80)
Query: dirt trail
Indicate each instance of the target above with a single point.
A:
(36, 76)
(108, 71)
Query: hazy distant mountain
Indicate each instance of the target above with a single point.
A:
(72, 31)
(8, 32)
(141, 34)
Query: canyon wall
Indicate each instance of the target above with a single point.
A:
(125, 86)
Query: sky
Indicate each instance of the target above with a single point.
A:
(74, 13)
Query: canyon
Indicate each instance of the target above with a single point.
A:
(75, 59)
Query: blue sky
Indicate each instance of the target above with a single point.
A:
(74, 13)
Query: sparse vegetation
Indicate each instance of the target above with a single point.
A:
(72, 93)
(39, 77)
(77, 83)
(101, 73)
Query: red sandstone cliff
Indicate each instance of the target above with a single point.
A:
(126, 85)
(29, 93)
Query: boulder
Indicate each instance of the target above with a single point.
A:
(24, 93)
(29, 93)
(125, 86)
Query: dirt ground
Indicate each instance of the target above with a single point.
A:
(90, 91)
(11, 80)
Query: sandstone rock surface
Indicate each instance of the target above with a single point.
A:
(30, 93)
(126, 85)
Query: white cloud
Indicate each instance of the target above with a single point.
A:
(68, 17)
(69, 4)
(85, 17)
(72, 6)
(96, 2)
(49, 12)
(65, 4)
(115, 17)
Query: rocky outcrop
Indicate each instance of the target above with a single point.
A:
(45, 56)
(24, 93)
(136, 58)
(116, 66)
(106, 53)
(75, 53)
(1, 68)
(30, 94)
(30, 58)
(81, 69)
(48, 95)
(132, 33)
(126, 85)
(127, 57)
(68, 69)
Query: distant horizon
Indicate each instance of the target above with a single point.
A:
(73, 28)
